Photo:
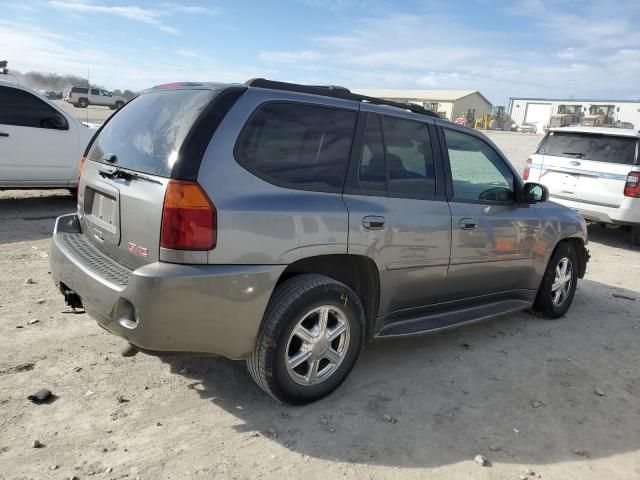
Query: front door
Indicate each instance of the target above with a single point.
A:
(32, 151)
(398, 214)
(492, 234)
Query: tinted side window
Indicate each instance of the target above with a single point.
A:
(95, 91)
(409, 158)
(396, 158)
(372, 173)
(477, 171)
(23, 109)
(298, 146)
(80, 90)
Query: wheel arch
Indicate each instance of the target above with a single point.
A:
(358, 272)
(578, 245)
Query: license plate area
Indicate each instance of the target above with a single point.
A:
(570, 183)
(102, 215)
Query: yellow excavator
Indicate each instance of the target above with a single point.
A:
(497, 119)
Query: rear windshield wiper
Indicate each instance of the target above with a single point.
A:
(126, 175)
(577, 154)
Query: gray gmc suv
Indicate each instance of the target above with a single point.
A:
(287, 225)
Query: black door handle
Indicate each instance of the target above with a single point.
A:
(4, 134)
(373, 222)
(468, 223)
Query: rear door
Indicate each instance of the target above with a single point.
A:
(128, 167)
(32, 151)
(587, 167)
(398, 214)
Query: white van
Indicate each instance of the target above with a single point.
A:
(594, 170)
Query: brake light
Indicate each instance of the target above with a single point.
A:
(188, 218)
(527, 169)
(632, 185)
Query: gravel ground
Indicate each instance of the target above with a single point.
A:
(560, 398)
(92, 114)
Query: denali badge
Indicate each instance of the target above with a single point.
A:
(138, 250)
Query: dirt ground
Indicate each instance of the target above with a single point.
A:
(93, 113)
(557, 398)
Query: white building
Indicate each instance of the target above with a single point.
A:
(449, 104)
(540, 110)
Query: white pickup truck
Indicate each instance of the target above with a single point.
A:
(83, 97)
(40, 144)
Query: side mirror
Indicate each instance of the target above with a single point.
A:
(535, 193)
(55, 122)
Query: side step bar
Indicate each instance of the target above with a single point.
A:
(452, 318)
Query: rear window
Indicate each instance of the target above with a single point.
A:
(586, 146)
(79, 90)
(147, 134)
(298, 146)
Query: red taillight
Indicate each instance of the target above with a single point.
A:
(188, 218)
(527, 168)
(632, 186)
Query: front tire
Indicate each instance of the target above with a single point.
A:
(311, 335)
(559, 282)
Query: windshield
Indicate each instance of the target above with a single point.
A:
(601, 110)
(569, 109)
(586, 146)
(146, 135)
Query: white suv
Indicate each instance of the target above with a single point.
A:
(593, 170)
(40, 144)
(83, 97)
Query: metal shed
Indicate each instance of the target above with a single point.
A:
(540, 110)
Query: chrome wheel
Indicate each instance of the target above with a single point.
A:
(317, 345)
(562, 282)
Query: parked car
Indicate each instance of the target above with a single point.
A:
(620, 124)
(286, 225)
(82, 97)
(50, 94)
(40, 144)
(527, 128)
(593, 170)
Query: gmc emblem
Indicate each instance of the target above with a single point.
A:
(137, 250)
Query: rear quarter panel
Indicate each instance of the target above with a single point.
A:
(260, 223)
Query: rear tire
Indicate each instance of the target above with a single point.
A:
(83, 103)
(559, 282)
(635, 235)
(292, 330)
(119, 105)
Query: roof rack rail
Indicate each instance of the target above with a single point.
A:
(334, 91)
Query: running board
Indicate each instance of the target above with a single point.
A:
(452, 318)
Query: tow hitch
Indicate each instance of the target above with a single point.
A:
(72, 299)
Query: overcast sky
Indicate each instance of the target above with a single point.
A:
(524, 48)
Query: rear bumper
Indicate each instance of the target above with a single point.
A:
(627, 213)
(209, 309)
